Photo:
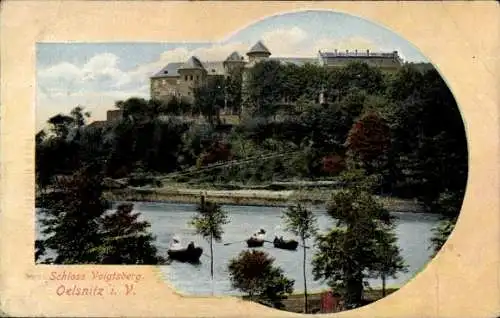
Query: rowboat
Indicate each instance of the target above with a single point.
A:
(190, 254)
(285, 244)
(186, 255)
(257, 240)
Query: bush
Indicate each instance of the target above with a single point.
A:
(253, 273)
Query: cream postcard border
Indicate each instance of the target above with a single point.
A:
(461, 38)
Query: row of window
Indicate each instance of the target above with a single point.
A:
(186, 78)
(191, 77)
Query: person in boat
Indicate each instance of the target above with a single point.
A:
(175, 244)
(190, 246)
(259, 235)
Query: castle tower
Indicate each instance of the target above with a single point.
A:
(258, 52)
(234, 62)
(191, 74)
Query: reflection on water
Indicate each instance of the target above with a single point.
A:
(413, 231)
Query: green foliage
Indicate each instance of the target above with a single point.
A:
(209, 99)
(264, 88)
(440, 234)
(361, 244)
(430, 153)
(448, 206)
(389, 261)
(301, 222)
(254, 274)
(127, 240)
(233, 84)
(355, 77)
(78, 229)
(208, 223)
(71, 218)
(209, 220)
(424, 156)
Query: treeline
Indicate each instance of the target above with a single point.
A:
(404, 128)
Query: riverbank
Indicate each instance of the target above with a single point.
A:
(282, 198)
(295, 302)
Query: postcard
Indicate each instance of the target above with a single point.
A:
(176, 159)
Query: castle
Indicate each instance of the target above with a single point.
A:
(177, 80)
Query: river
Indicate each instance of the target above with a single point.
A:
(168, 219)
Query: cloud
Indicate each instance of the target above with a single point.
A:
(99, 73)
(63, 71)
(288, 42)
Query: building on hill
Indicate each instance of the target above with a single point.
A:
(177, 80)
(385, 61)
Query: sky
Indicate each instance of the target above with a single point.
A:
(96, 75)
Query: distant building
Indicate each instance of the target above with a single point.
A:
(385, 61)
(111, 116)
(114, 115)
(177, 80)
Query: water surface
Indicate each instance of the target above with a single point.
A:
(167, 219)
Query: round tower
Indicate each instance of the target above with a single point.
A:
(258, 52)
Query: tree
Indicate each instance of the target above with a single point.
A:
(430, 153)
(71, 218)
(368, 141)
(448, 206)
(78, 228)
(79, 116)
(440, 234)
(355, 76)
(232, 86)
(208, 223)
(352, 249)
(389, 260)
(264, 88)
(253, 273)
(60, 125)
(302, 223)
(127, 240)
(209, 99)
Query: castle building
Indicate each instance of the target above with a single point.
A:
(177, 80)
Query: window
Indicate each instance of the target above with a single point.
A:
(197, 77)
(191, 77)
(185, 77)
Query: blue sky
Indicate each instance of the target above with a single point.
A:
(95, 75)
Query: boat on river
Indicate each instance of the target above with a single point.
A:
(190, 254)
(257, 239)
(290, 245)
